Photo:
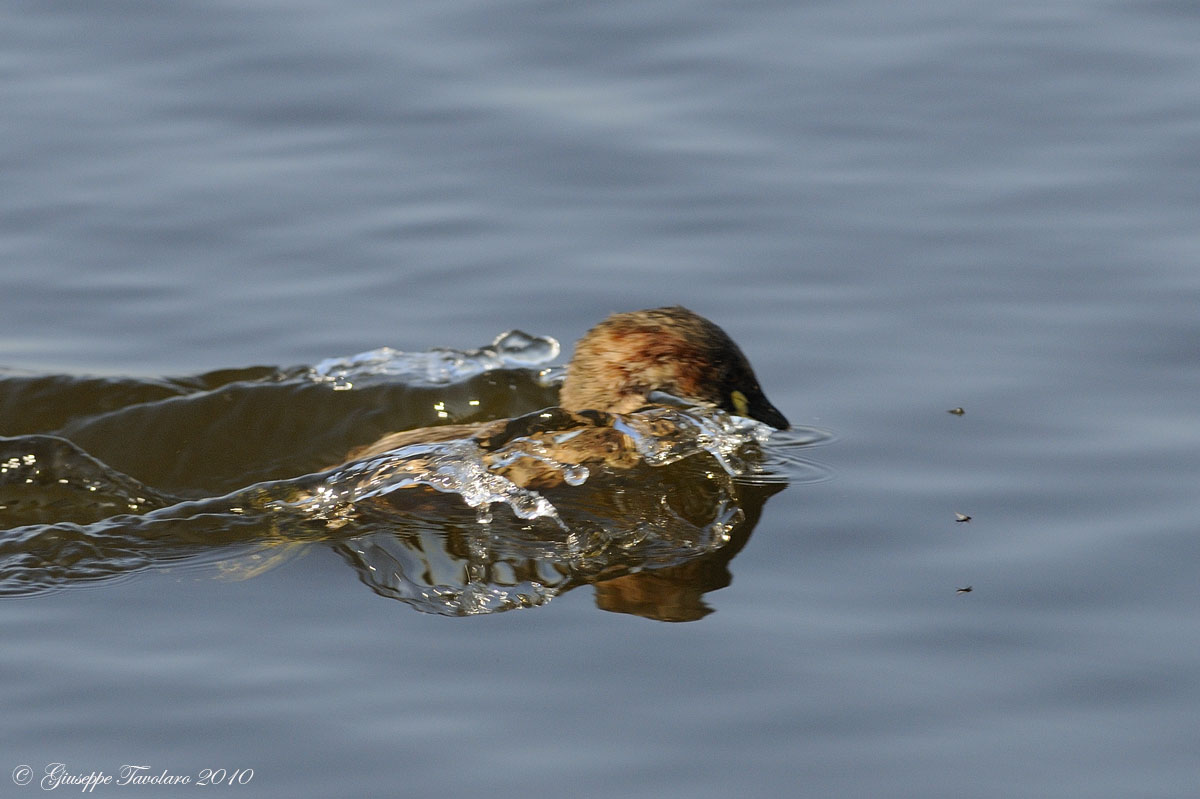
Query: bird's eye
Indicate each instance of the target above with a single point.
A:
(741, 405)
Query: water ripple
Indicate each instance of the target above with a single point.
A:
(509, 514)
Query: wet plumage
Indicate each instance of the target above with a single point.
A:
(627, 362)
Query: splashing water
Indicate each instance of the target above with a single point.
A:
(660, 436)
(451, 467)
(511, 350)
(666, 435)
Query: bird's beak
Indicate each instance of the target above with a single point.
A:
(764, 411)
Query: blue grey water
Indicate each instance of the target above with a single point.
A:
(895, 208)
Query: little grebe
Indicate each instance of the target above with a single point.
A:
(625, 363)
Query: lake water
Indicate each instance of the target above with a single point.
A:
(895, 210)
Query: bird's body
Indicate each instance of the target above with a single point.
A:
(627, 362)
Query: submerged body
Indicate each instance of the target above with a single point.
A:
(630, 361)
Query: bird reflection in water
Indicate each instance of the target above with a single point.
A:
(653, 550)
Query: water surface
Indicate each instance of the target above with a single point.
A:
(894, 209)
